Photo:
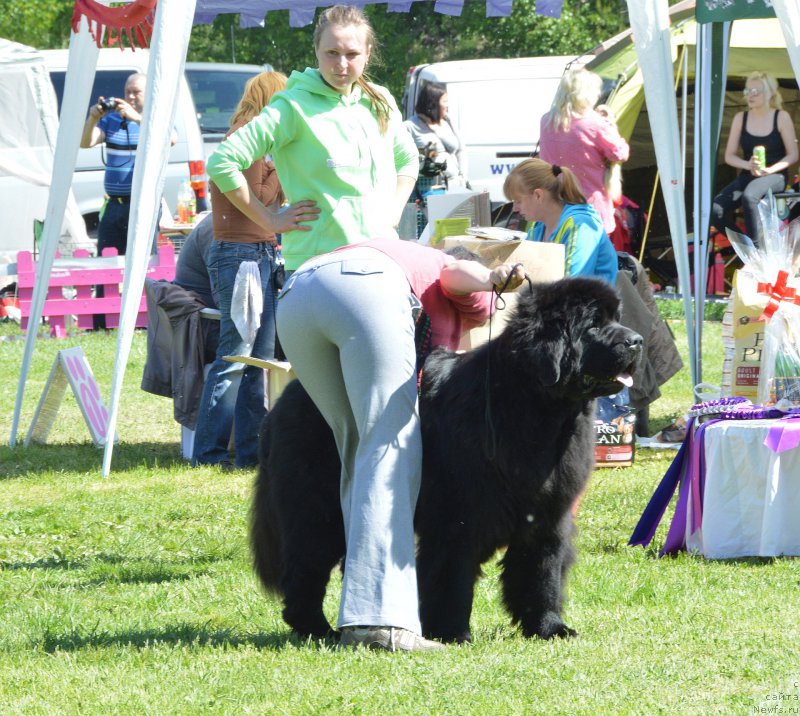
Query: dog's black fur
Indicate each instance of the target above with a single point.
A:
(508, 443)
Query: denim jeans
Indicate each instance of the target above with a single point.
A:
(748, 191)
(113, 228)
(234, 392)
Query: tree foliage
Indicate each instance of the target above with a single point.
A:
(405, 38)
(42, 24)
(420, 35)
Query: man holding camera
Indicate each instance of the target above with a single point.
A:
(115, 121)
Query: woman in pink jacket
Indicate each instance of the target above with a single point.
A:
(574, 135)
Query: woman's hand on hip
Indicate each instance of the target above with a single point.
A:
(294, 216)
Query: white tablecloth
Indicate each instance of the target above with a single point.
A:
(751, 501)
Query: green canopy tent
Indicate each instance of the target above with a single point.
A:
(706, 81)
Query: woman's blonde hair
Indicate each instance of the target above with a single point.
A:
(257, 93)
(347, 16)
(769, 85)
(577, 92)
(531, 174)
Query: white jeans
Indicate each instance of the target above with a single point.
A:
(345, 324)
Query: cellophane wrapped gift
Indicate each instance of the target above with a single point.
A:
(768, 289)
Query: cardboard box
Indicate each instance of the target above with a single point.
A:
(543, 263)
(748, 336)
(492, 328)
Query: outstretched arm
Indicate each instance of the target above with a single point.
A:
(464, 276)
(92, 134)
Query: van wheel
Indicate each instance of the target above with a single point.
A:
(92, 221)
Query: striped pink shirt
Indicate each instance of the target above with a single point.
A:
(590, 142)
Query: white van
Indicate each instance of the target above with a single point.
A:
(495, 106)
(186, 157)
(216, 90)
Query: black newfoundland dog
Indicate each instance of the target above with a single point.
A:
(508, 443)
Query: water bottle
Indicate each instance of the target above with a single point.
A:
(187, 203)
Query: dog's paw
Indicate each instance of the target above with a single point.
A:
(550, 627)
(449, 637)
(562, 632)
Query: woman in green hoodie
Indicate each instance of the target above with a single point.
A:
(345, 161)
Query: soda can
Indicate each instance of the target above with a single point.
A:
(760, 154)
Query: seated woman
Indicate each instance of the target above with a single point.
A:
(434, 135)
(763, 124)
(550, 196)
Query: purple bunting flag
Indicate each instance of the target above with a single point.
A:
(449, 7)
(550, 8)
(498, 8)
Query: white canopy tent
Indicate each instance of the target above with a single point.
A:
(172, 27)
(28, 127)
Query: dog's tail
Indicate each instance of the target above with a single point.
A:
(264, 536)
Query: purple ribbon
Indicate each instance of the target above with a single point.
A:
(691, 492)
(689, 470)
(785, 433)
(648, 522)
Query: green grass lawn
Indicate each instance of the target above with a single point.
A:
(134, 594)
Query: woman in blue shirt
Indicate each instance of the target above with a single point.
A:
(551, 196)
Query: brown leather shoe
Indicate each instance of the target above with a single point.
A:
(388, 638)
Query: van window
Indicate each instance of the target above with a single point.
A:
(107, 83)
(216, 94)
(507, 116)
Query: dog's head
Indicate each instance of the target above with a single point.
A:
(568, 336)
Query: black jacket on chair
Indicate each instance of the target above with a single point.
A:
(179, 343)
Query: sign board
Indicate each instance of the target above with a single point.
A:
(725, 10)
(70, 368)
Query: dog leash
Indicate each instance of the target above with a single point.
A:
(500, 305)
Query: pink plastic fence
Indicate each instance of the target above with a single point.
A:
(83, 276)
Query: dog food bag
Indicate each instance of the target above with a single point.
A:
(615, 431)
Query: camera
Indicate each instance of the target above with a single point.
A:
(109, 104)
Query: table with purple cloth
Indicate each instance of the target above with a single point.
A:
(739, 480)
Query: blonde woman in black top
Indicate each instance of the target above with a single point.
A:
(764, 124)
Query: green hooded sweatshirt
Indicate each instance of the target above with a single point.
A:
(327, 147)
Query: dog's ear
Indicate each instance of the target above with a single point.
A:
(547, 355)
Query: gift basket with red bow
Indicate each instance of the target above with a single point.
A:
(769, 286)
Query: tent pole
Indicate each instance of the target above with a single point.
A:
(168, 45)
(681, 65)
(710, 74)
(649, 20)
(77, 88)
(788, 14)
(684, 102)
